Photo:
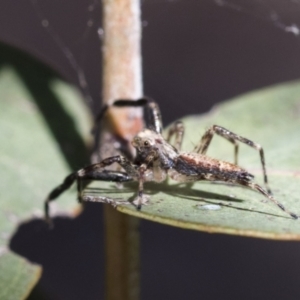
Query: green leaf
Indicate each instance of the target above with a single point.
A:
(270, 117)
(40, 143)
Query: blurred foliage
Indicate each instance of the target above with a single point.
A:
(43, 121)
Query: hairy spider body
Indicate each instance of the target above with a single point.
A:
(156, 158)
(184, 166)
(194, 167)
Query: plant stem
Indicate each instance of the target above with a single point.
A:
(122, 78)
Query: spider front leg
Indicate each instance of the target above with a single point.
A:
(106, 175)
(141, 198)
(152, 120)
(144, 174)
(176, 129)
(233, 138)
(94, 172)
(151, 109)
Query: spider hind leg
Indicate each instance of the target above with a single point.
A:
(234, 139)
(258, 188)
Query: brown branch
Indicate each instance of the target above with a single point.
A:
(122, 78)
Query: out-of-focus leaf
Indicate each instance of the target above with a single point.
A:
(42, 124)
(270, 117)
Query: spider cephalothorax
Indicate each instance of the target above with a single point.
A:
(151, 146)
(156, 158)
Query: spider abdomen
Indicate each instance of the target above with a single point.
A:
(206, 168)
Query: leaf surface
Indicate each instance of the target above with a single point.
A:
(270, 117)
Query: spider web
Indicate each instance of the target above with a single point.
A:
(284, 15)
(74, 50)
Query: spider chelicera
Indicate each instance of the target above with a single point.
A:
(156, 158)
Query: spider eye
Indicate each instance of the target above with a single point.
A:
(146, 143)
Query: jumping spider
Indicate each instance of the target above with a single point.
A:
(156, 158)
